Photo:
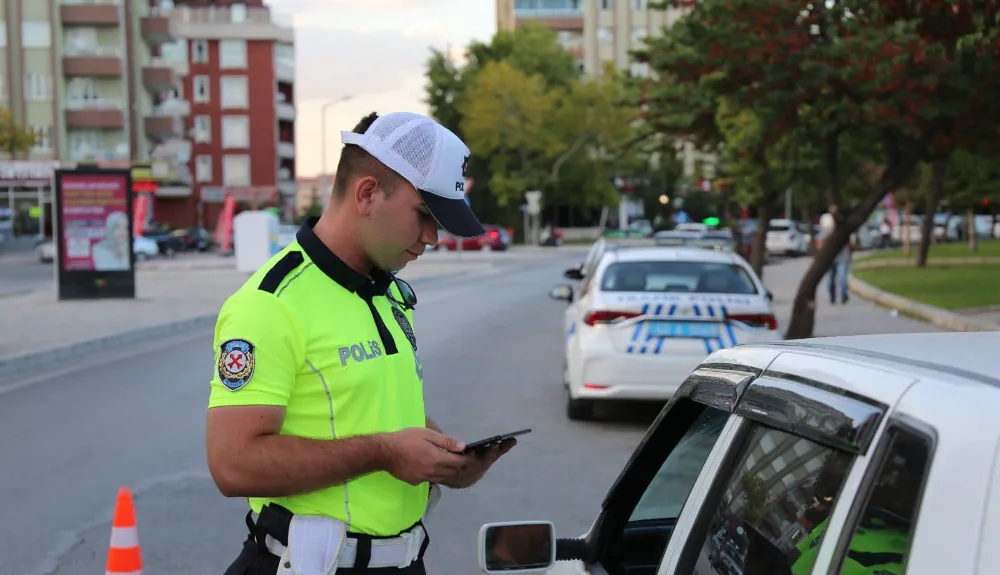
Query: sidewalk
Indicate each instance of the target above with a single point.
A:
(857, 317)
(172, 296)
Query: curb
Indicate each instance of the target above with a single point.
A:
(19, 364)
(906, 263)
(930, 314)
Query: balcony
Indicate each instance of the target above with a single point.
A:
(286, 112)
(160, 76)
(157, 28)
(286, 150)
(222, 23)
(556, 14)
(163, 125)
(94, 115)
(93, 61)
(284, 71)
(90, 12)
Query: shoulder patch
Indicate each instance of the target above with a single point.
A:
(236, 363)
(279, 271)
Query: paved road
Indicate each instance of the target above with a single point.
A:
(491, 364)
(492, 351)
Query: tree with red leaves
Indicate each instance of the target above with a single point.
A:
(900, 73)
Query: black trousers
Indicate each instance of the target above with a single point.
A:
(253, 561)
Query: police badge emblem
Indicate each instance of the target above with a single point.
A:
(236, 363)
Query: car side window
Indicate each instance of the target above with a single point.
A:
(773, 510)
(884, 531)
(646, 501)
(669, 489)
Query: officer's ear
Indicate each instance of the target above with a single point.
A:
(364, 194)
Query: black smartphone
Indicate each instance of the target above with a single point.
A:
(484, 444)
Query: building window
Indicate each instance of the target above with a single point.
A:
(235, 131)
(82, 92)
(199, 52)
(84, 144)
(238, 12)
(43, 138)
(37, 87)
(638, 34)
(3, 36)
(233, 54)
(236, 170)
(203, 169)
(607, 4)
(203, 128)
(605, 35)
(638, 4)
(36, 34)
(81, 40)
(234, 92)
(202, 93)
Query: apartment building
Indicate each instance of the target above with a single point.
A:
(238, 73)
(84, 76)
(565, 17)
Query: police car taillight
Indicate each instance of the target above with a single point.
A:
(605, 316)
(755, 319)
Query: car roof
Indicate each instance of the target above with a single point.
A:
(664, 253)
(968, 355)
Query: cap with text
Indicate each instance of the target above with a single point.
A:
(429, 156)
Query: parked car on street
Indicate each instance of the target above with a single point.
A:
(144, 249)
(860, 454)
(787, 237)
(496, 238)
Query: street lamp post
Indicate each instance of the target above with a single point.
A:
(322, 121)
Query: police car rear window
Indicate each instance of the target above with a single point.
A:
(678, 277)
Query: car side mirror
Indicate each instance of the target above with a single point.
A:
(573, 274)
(770, 296)
(561, 292)
(517, 547)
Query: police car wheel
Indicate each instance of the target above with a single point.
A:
(579, 409)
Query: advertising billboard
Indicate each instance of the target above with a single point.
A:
(94, 233)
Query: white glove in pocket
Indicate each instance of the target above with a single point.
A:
(314, 546)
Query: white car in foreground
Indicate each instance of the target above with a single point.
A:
(647, 316)
(875, 454)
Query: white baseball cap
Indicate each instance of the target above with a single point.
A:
(429, 156)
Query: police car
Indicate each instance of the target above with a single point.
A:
(643, 316)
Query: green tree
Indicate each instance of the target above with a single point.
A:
(572, 149)
(14, 139)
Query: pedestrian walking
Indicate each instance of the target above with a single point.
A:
(316, 409)
(840, 268)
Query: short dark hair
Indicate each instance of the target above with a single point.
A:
(355, 162)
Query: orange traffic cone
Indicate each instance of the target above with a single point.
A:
(123, 554)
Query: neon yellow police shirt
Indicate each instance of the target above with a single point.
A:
(311, 345)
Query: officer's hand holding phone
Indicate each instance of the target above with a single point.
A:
(478, 462)
(418, 454)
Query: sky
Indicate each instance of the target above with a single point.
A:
(374, 54)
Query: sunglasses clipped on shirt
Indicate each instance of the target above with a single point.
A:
(405, 291)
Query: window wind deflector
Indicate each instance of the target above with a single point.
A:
(718, 386)
(813, 411)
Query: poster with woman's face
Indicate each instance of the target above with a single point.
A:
(94, 216)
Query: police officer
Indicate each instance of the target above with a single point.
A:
(316, 411)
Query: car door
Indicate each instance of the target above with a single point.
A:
(768, 508)
(641, 509)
